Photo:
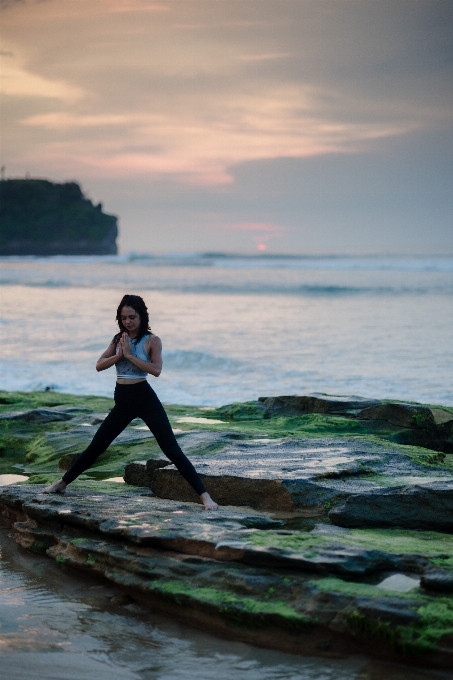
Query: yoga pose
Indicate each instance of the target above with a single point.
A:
(135, 352)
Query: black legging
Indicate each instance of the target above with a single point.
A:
(136, 401)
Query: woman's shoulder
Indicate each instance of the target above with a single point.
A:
(153, 340)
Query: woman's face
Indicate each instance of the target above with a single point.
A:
(130, 320)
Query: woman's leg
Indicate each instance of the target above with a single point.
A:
(153, 414)
(113, 425)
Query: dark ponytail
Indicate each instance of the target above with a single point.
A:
(138, 305)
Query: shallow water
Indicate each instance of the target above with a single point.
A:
(55, 623)
(5, 480)
(234, 329)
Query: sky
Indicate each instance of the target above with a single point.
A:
(245, 126)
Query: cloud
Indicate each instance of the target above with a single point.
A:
(137, 96)
(256, 226)
(4, 4)
(61, 120)
(199, 147)
(133, 6)
(18, 81)
(265, 57)
(261, 232)
(185, 101)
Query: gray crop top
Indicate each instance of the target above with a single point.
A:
(125, 368)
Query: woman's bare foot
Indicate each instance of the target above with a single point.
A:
(56, 487)
(208, 503)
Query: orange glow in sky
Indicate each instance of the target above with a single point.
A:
(296, 122)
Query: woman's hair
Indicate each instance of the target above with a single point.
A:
(138, 304)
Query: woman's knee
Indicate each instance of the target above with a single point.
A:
(174, 453)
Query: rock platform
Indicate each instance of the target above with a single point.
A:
(331, 538)
(320, 477)
(247, 576)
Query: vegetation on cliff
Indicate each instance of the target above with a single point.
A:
(38, 217)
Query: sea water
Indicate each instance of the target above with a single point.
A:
(236, 328)
(56, 624)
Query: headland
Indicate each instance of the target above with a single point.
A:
(38, 217)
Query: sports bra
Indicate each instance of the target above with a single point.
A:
(126, 369)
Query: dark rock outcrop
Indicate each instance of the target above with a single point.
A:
(410, 424)
(401, 415)
(314, 403)
(439, 580)
(37, 415)
(428, 506)
(38, 217)
(141, 472)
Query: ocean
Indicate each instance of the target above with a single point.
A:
(235, 328)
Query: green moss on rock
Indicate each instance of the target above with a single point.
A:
(238, 609)
(437, 622)
(402, 541)
(422, 637)
(39, 547)
(48, 398)
(247, 410)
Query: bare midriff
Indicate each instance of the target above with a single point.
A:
(131, 381)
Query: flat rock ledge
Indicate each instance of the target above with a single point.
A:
(421, 506)
(356, 483)
(244, 574)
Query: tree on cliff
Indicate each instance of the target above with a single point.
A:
(38, 217)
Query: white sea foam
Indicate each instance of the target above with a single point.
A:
(216, 274)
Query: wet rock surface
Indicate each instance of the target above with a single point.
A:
(140, 472)
(311, 475)
(402, 415)
(439, 580)
(315, 403)
(331, 536)
(428, 506)
(241, 574)
(37, 415)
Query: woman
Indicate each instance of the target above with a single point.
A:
(135, 352)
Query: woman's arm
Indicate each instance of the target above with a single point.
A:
(109, 357)
(153, 348)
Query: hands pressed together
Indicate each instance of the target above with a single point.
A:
(125, 347)
(116, 352)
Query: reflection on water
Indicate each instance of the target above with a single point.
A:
(57, 624)
(11, 479)
(206, 421)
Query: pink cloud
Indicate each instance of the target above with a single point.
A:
(138, 7)
(265, 57)
(256, 226)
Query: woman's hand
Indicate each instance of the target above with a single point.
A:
(125, 346)
(109, 357)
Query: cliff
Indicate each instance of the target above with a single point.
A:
(38, 217)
